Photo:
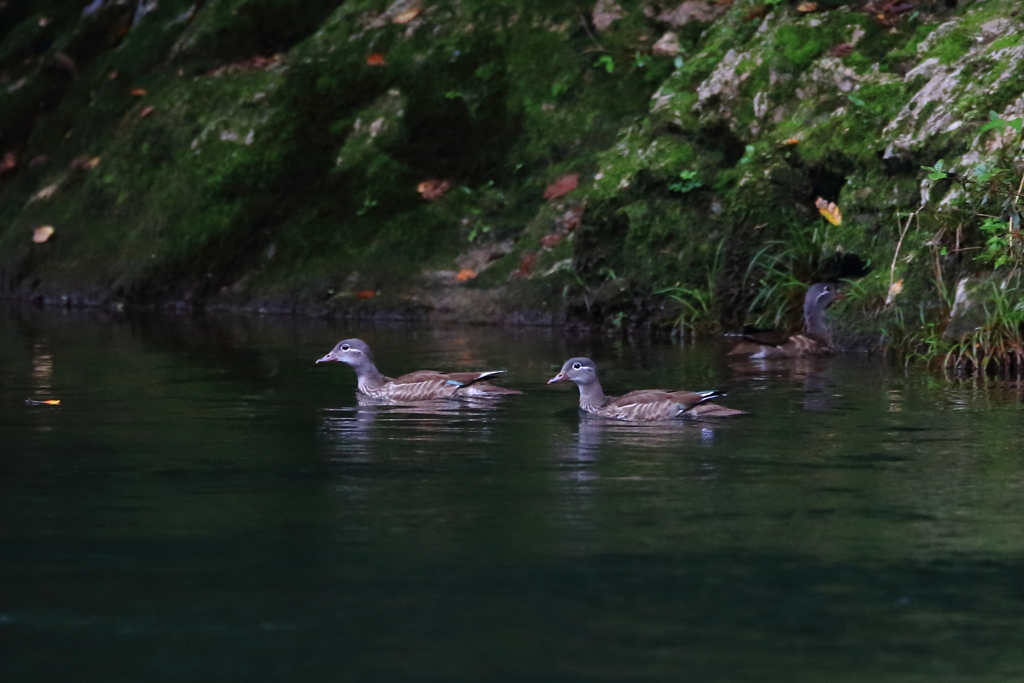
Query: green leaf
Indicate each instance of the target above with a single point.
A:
(607, 62)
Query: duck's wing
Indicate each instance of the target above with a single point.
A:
(643, 405)
(423, 385)
(640, 396)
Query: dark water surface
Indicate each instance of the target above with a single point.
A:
(207, 504)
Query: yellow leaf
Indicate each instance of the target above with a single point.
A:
(407, 16)
(42, 233)
(894, 290)
(829, 210)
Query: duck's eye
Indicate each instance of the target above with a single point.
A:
(344, 347)
(576, 366)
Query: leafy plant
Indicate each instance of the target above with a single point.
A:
(1002, 241)
(997, 346)
(687, 181)
(606, 62)
(698, 314)
(782, 269)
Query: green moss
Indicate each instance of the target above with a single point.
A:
(799, 45)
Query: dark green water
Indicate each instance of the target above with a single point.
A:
(207, 504)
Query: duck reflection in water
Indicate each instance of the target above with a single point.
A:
(597, 434)
(356, 428)
(819, 390)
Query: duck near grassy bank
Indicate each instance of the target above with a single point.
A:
(644, 405)
(423, 385)
(816, 340)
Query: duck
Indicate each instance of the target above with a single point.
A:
(644, 405)
(815, 341)
(423, 385)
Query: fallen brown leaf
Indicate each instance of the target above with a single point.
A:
(807, 7)
(465, 274)
(366, 294)
(257, 63)
(8, 162)
(84, 163)
(146, 111)
(526, 263)
(570, 220)
(138, 92)
(840, 50)
(551, 239)
(376, 59)
(432, 190)
(562, 186)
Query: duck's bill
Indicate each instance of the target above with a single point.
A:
(557, 378)
(327, 359)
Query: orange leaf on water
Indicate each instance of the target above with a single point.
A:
(465, 274)
(829, 210)
(366, 294)
(562, 186)
(791, 141)
(376, 59)
(138, 92)
(42, 233)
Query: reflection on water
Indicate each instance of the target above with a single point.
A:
(811, 374)
(352, 430)
(204, 501)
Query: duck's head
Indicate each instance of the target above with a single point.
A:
(353, 352)
(579, 370)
